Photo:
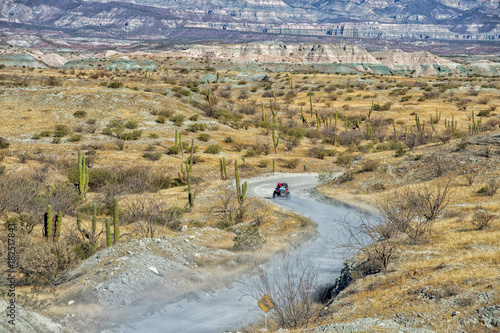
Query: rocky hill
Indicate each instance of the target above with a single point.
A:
(259, 58)
(85, 22)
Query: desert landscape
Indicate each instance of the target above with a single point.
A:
(124, 174)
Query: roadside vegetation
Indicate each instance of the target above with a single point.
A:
(158, 147)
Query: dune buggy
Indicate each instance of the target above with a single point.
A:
(281, 191)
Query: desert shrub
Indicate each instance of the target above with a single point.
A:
(61, 131)
(351, 138)
(80, 114)
(75, 137)
(344, 160)
(228, 139)
(115, 85)
(248, 109)
(292, 287)
(484, 113)
(251, 153)
(131, 124)
(290, 142)
(365, 148)
(4, 143)
(127, 136)
(345, 177)
(248, 239)
(491, 187)
(41, 263)
(152, 155)
(197, 127)
(174, 150)
(165, 113)
(321, 152)
(413, 210)
(42, 134)
(213, 149)
(369, 165)
(196, 160)
(263, 164)
(296, 132)
(400, 151)
(481, 218)
(224, 224)
(385, 107)
(292, 164)
(178, 119)
(204, 137)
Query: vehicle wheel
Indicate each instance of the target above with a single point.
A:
(274, 195)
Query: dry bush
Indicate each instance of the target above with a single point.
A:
(248, 109)
(414, 209)
(491, 187)
(369, 165)
(470, 172)
(351, 138)
(149, 213)
(482, 218)
(41, 263)
(291, 285)
(367, 238)
(292, 164)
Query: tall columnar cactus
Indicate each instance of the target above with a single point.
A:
(370, 112)
(83, 174)
(275, 142)
(274, 165)
(311, 105)
(191, 157)
(190, 194)
(116, 222)
(290, 82)
(240, 191)
(417, 122)
(218, 76)
(109, 241)
(176, 138)
(263, 112)
(180, 146)
(57, 233)
(318, 122)
(304, 121)
(48, 223)
(221, 169)
(368, 131)
(190, 97)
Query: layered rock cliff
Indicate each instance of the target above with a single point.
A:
(160, 19)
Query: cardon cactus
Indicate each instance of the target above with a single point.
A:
(109, 241)
(83, 174)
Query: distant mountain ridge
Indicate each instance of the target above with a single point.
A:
(452, 20)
